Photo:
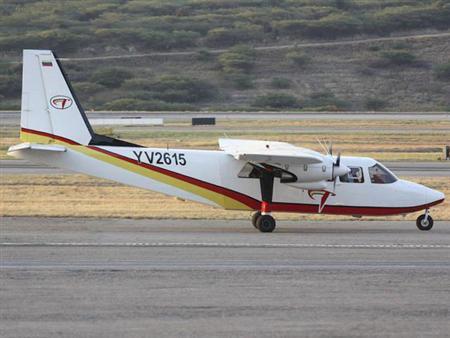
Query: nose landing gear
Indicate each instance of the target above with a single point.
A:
(424, 222)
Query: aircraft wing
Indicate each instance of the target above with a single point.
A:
(269, 152)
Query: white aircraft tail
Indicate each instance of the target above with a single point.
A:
(49, 104)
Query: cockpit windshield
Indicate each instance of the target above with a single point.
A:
(380, 175)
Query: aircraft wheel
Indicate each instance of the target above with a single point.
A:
(255, 217)
(424, 224)
(266, 223)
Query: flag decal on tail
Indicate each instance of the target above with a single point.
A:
(47, 64)
(61, 102)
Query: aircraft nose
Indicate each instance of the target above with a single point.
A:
(435, 196)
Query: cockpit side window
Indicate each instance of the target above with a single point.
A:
(379, 175)
(354, 176)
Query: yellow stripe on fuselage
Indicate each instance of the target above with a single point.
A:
(222, 200)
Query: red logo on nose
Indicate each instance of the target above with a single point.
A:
(61, 102)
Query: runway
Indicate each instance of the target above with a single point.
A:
(426, 169)
(12, 118)
(123, 277)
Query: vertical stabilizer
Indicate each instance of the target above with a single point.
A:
(48, 102)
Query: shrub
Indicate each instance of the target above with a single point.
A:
(111, 77)
(297, 58)
(125, 104)
(343, 4)
(330, 26)
(237, 59)
(10, 86)
(137, 104)
(183, 39)
(276, 100)
(55, 39)
(87, 88)
(325, 101)
(393, 18)
(399, 57)
(151, 39)
(137, 84)
(442, 72)
(280, 83)
(9, 104)
(241, 81)
(204, 55)
(374, 104)
(222, 37)
(182, 89)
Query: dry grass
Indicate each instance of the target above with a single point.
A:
(426, 144)
(83, 196)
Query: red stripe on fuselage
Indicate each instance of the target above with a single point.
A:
(250, 201)
(247, 200)
(56, 137)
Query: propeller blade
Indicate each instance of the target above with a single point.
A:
(330, 149)
(338, 160)
(322, 145)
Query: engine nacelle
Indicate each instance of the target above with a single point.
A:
(313, 172)
(324, 171)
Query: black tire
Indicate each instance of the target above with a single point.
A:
(424, 225)
(266, 223)
(255, 217)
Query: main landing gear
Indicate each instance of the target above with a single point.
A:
(424, 222)
(262, 220)
(264, 223)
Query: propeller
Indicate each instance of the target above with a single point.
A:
(336, 169)
(335, 165)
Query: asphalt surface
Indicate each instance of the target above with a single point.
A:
(426, 169)
(12, 118)
(197, 278)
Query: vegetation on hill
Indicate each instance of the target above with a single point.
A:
(239, 77)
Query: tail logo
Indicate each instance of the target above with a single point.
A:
(61, 102)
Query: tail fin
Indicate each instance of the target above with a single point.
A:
(49, 104)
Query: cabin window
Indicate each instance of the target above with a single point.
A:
(380, 175)
(354, 176)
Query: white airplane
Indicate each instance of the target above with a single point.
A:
(258, 176)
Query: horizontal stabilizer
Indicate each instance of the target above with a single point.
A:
(36, 146)
(269, 152)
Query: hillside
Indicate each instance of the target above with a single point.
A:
(212, 54)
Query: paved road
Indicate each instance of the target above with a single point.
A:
(431, 169)
(12, 118)
(191, 278)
